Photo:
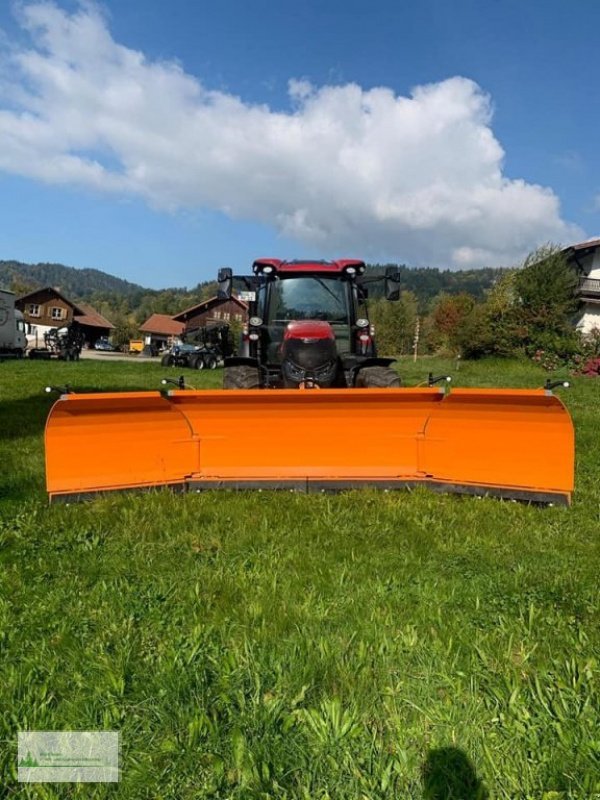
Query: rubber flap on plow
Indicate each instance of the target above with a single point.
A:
(511, 443)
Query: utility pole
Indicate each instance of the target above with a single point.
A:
(416, 340)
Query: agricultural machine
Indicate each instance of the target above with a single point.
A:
(314, 408)
(64, 343)
(204, 348)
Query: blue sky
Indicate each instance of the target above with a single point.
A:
(160, 140)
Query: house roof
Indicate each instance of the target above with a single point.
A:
(205, 305)
(89, 316)
(162, 323)
(40, 289)
(82, 312)
(591, 244)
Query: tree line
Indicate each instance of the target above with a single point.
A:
(527, 311)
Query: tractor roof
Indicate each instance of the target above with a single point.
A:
(307, 265)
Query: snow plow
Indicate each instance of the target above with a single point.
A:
(314, 408)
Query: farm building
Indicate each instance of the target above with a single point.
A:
(48, 308)
(586, 258)
(215, 309)
(161, 330)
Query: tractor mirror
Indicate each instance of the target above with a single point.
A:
(392, 286)
(225, 281)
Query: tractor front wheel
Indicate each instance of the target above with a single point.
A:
(377, 378)
(241, 377)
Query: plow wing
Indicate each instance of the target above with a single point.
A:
(510, 443)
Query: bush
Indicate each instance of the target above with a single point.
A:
(591, 343)
(475, 338)
(591, 367)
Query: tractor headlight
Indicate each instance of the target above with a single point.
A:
(350, 270)
(362, 323)
(255, 322)
(262, 269)
(254, 337)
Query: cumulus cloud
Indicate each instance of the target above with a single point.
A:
(343, 169)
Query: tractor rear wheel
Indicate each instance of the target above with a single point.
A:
(241, 377)
(377, 378)
(197, 362)
(167, 360)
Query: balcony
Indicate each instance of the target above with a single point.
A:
(589, 288)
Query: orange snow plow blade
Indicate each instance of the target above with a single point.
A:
(100, 442)
(509, 443)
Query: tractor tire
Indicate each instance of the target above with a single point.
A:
(377, 378)
(167, 360)
(241, 377)
(197, 362)
(210, 362)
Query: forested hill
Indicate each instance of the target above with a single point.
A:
(112, 296)
(73, 282)
(429, 282)
(116, 295)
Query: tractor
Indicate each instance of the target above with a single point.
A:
(308, 329)
(308, 326)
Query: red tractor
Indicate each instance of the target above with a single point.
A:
(308, 326)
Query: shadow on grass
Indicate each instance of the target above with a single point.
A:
(448, 774)
(26, 416)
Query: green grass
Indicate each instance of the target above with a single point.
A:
(262, 645)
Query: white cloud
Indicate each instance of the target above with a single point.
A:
(346, 170)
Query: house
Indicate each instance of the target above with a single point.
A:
(215, 309)
(49, 308)
(585, 256)
(161, 331)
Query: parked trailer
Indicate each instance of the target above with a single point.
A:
(204, 348)
(13, 328)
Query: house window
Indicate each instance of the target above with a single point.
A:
(217, 315)
(34, 310)
(226, 316)
(57, 313)
(238, 317)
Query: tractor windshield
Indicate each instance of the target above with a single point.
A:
(308, 297)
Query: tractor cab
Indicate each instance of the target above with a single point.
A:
(292, 297)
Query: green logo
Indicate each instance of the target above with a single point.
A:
(30, 761)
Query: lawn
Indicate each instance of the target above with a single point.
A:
(263, 645)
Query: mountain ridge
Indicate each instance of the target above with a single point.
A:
(95, 284)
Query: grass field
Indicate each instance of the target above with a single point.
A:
(262, 645)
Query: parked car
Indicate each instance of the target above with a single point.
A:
(104, 344)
